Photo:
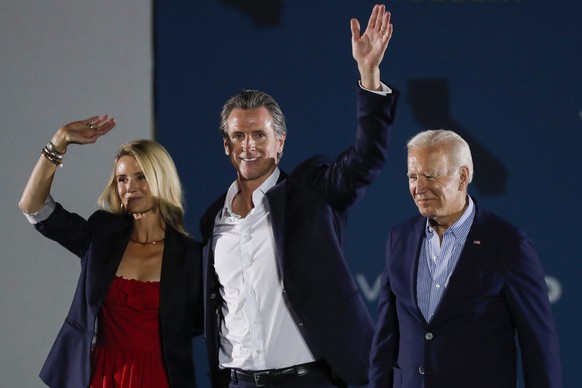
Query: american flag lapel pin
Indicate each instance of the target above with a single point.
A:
(477, 242)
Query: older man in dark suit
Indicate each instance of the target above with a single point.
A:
(460, 285)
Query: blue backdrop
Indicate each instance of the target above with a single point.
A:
(505, 74)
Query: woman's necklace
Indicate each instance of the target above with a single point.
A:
(147, 243)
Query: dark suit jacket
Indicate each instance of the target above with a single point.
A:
(100, 243)
(496, 291)
(308, 210)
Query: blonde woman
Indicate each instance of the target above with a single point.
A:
(138, 299)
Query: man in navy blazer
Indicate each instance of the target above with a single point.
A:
(460, 285)
(281, 305)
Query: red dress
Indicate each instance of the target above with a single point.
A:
(128, 352)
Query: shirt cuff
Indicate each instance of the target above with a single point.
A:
(43, 213)
(384, 92)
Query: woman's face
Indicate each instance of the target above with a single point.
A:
(132, 187)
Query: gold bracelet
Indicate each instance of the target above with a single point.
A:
(51, 148)
(52, 157)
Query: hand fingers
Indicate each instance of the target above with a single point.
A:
(355, 27)
(380, 13)
(101, 120)
(90, 120)
(103, 125)
(107, 126)
(389, 31)
(379, 19)
(386, 18)
(373, 18)
(98, 126)
(385, 24)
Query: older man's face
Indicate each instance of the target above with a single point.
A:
(439, 190)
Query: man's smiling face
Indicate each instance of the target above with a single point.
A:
(252, 143)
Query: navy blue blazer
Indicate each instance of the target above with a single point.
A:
(308, 210)
(496, 292)
(100, 243)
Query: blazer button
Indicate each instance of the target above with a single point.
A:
(421, 370)
(428, 336)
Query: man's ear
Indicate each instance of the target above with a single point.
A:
(281, 145)
(463, 178)
(226, 149)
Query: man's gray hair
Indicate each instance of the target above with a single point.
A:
(253, 99)
(460, 153)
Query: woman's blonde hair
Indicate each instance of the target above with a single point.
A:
(162, 177)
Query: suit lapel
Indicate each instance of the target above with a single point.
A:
(207, 228)
(107, 252)
(463, 277)
(171, 261)
(414, 248)
(209, 217)
(277, 198)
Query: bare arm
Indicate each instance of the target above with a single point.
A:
(368, 48)
(39, 184)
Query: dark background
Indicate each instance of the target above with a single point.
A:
(504, 74)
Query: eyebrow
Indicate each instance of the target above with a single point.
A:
(137, 173)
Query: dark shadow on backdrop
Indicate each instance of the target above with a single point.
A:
(430, 104)
(264, 13)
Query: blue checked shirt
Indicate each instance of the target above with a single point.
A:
(437, 261)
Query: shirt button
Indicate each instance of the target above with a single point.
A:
(421, 370)
(438, 286)
(428, 336)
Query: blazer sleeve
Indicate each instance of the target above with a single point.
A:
(527, 296)
(343, 181)
(68, 229)
(385, 341)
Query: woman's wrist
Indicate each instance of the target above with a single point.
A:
(59, 142)
(52, 155)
